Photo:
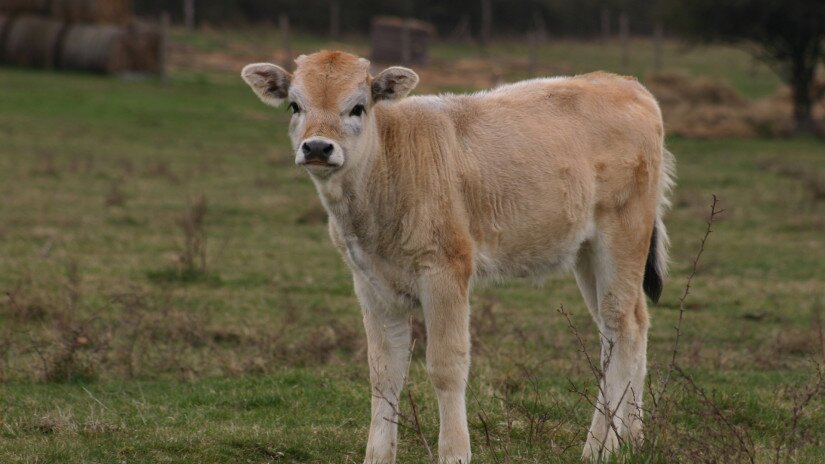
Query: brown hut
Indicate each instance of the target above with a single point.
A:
(398, 40)
(95, 48)
(92, 11)
(32, 41)
(24, 6)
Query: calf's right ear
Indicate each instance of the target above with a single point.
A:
(269, 82)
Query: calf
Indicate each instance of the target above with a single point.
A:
(428, 194)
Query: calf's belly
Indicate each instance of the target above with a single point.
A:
(543, 251)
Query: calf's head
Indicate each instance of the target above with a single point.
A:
(331, 97)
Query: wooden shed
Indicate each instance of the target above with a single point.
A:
(399, 40)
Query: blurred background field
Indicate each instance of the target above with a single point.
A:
(171, 294)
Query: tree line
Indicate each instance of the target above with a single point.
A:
(464, 18)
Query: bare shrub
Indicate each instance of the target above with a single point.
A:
(21, 305)
(79, 342)
(193, 226)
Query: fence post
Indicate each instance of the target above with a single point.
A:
(624, 37)
(334, 19)
(486, 21)
(658, 38)
(283, 23)
(533, 54)
(605, 19)
(406, 42)
(189, 14)
(164, 43)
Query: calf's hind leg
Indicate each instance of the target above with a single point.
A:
(621, 315)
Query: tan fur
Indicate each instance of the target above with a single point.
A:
(435, 192)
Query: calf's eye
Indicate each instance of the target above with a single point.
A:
(294, 108)
(357, 110)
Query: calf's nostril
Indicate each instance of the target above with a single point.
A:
(328, 148)
(305, 148)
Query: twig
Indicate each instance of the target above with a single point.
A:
(678, 327)
(417, 424)
(599, 375)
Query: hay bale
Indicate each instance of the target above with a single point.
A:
(397, 40)
(674, 87)
(95, 48)
(92, 11)
(33, 41)
(24, 6)
(715, 121)
(144, 42)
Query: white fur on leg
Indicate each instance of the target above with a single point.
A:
(617, 418)
(388, 346)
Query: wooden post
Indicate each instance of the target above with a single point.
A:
(624, 37)
(462, 29)
(533, 54)
(164, 44)
(605, 25)
(406, 42)
(283, 22)
(486, 21)
(334, 19)
(189, 14)
(658, 38)
(541, 26)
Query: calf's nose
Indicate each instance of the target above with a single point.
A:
(317, 150)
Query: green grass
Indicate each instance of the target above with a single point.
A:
(261, 358)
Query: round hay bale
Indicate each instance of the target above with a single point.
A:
(33, 41)
(24, 6)
(92, 11)
(143, 42)
(95, 48)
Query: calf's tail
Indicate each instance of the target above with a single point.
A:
(656, 264)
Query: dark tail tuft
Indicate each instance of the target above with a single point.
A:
(653, 278)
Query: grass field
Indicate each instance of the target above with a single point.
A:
(119, 345)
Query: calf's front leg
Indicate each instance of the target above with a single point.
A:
(388, 351)
(444, 298)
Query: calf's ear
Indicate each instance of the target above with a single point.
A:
(269, 82)
(393, 83)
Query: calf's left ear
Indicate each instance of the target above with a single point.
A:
(393, 83)
(269, 82)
